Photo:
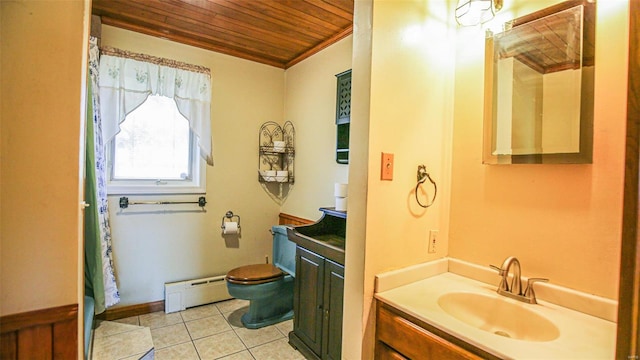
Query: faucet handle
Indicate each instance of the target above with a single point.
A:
(498, 269)
(529, 293)
(503, 274)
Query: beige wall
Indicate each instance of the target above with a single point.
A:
(245, 94)
(354, 302)
(154, 245)
(42, 87)
(310, 103)
(409, 114)
(562, 221)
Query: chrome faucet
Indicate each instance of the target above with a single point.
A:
(514, 290)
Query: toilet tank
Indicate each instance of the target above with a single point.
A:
(284, 251)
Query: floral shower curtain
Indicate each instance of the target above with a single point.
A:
(100, 281)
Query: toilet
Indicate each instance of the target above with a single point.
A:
(268, 287)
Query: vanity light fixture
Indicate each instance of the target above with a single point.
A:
(475, 12)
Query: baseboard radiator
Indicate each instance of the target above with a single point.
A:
(185, 294)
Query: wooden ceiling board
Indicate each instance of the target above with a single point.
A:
(280, 33)
(246, 16)
(307, 15)
(187, 25)
(342, 8)
(193, 35)
(225, 18)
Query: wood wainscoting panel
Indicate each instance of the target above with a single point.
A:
(41, 334)
(64, 330)
(286, 219)
(9, 345)
(37, 340)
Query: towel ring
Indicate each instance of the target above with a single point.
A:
(423, 176)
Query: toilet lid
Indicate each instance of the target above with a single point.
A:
(254, 274)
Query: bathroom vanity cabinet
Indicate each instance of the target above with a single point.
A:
(399, 336)
(319, 286)
(317, 325)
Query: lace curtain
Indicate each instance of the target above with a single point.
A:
(100, 281)
(127, 79)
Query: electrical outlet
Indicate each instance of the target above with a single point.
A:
(386, 167)
(433, 240)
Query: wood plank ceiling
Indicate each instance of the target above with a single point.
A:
(280, 33)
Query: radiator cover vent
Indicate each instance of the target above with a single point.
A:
(181, 295)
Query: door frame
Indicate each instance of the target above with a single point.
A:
(628, 337)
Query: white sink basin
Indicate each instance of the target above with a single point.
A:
(499, 316)
(472, 312)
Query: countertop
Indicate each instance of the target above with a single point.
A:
(582, 336)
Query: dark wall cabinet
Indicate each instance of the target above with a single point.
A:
(318, 296)
(343, 116)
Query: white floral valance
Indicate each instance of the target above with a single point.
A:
(127, 79)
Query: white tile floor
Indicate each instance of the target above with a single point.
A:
(206, 332)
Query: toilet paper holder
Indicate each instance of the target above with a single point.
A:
(230, 215)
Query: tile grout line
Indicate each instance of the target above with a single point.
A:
(281, 334)
(139, 328)
(231, 328)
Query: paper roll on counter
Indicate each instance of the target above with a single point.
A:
(340, 190)
(230, 228)
(341, 203)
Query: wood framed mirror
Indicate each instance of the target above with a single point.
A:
(539, 78)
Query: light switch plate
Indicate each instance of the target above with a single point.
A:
(386, 167)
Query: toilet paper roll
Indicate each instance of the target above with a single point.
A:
(340, 190)
(341, 203)
(230, 227)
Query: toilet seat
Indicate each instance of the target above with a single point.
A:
(254, 274)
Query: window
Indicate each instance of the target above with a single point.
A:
(155, 152)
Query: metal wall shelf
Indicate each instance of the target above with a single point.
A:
(276, 158)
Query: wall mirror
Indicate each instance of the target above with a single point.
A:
(539, 87)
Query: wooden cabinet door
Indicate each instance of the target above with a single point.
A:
(413, 341)
(384, 352)
(333, 295)
(308, 298)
